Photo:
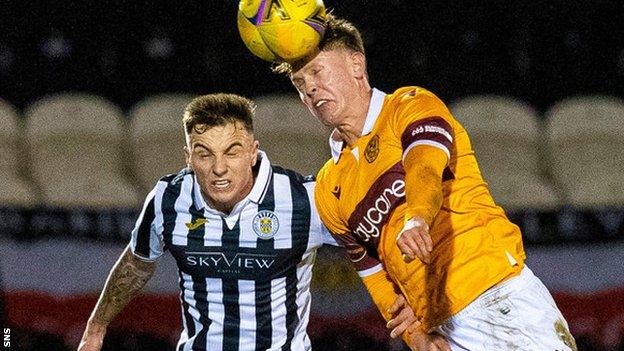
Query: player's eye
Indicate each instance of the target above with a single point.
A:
(298, 83)
(203, 153)
(233, 152)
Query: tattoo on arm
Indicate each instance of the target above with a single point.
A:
(126, 280)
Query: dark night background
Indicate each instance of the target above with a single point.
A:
(539, 51)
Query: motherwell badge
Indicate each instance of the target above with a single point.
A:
(372, 149)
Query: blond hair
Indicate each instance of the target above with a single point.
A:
(339, 34)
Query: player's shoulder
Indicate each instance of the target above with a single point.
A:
(294, 176)
(327, 178)
(171, 183)
(415, 103)
(176, 178)
(414, 95)
(325, 172)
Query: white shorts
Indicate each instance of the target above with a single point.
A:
(518, 314)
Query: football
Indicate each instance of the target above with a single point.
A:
(281, 30)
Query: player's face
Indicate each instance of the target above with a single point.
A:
(222, 158)
(330, 85)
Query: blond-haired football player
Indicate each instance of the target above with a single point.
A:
(403, 183)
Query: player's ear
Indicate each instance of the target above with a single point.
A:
(187, 149)
(358, 64)
(255, 146)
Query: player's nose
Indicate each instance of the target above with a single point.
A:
(220, 166)
(310, 89)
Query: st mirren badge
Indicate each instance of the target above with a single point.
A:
(372, 149)
(265, 224)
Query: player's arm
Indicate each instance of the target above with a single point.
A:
(424, 166)
(385, 294)
(400, 315)
(127, 278)
(383, 291)
(426, 133)
(129, 275)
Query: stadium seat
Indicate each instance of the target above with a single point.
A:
(157, 137)
(290, 135)
(76, 152)
(586, 139)
(506, 138)
(14, 189)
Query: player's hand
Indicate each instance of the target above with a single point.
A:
(92, 339)
(428, 342)
(414, 241)
(403, 318)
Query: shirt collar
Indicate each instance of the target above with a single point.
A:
(257, 192)
(374, 108)
(262, 179)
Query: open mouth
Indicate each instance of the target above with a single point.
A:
(221, 184)
(320, 103)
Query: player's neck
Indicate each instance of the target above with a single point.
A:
(352, 127)
(350, 133)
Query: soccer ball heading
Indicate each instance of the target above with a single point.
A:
(281, 30)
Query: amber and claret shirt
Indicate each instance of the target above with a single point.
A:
(361, 197)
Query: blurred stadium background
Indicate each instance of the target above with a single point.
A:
(91, 97)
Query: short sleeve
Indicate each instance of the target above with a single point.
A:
(327, 236)
(147, 240)
(423, 119)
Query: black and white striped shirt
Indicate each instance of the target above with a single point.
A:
(244, 277)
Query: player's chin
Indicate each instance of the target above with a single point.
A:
(327, 119)
(224, 200)
(223, 194)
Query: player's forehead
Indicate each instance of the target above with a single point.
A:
(219, 136)
(319, 59)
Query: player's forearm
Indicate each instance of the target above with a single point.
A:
(126, 280)
(424, 166)
(382, 290)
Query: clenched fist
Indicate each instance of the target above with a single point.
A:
(414, 241)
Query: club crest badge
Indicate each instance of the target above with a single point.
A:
(372, 149)
(265, 224)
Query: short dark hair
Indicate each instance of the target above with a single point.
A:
(339, 34)
(211, 110)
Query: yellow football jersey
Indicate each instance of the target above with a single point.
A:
(361, 198)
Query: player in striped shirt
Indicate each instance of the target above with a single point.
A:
(244, 235)
(403, 183)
